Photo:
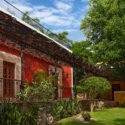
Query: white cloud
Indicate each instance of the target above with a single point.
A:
(41, 14)
(86, 7)
(56, 20)
(23, 7)
(39, 7)
(19, 2)
(58, 16)
(85, 0)
(62, 30)
(61, 15)
(62, 5)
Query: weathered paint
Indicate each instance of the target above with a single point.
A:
(67, 81)
(31, 64)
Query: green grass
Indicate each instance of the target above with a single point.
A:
(112, 116)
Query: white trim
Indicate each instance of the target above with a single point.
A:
(29, 26)
(119, 91)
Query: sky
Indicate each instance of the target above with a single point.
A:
(58, 15)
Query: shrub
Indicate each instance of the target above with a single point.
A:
(86, 116)
(41, 87)
(10, 114)
(64, 109)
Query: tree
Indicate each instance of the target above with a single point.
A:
(35, 22)
(93, 86)
(83, 50)
(104, 27)
(62, 38)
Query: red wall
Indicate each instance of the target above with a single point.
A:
(32, 64)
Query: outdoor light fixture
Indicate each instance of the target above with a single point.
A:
(67, 75)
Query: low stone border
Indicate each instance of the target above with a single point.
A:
(80, 119)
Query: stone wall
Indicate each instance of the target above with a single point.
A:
(85, 104)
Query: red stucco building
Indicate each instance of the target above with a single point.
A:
(24, 49)
(10, 58)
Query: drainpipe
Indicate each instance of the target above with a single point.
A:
(21, 85)
(56, 84)
(75, 94)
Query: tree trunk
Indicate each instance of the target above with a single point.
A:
(92, 105)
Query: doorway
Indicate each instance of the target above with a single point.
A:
(115, 87)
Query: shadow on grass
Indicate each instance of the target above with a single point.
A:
(119, 121)
(80, 123)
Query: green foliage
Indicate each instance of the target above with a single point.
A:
(33, 22)
(10, 114)
(86, 116)
(41, 87)
(30, 117)
(64, 109)
(110, 116)
(83, 50)
(62, 38)
(94, 85)
(104, 26)
(40, 75)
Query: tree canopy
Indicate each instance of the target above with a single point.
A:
(83, 49)
(32, 21)
(104, 27)
(94, 85)
(62, 38)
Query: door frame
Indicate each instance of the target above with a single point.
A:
(114, 90)
(8, 57)
(59, 72)
(14, 87)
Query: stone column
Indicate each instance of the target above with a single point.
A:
(1, 76)
(41, 117)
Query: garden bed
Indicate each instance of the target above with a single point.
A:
(112, 116)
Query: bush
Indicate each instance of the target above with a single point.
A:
(10, 114)
(86, 116)
(41, 87)
(64, 109)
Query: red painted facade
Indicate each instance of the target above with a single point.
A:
(32, 63)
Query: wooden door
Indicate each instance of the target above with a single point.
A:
(8, 81)
(115, 87)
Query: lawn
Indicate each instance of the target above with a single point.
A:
(112, 116)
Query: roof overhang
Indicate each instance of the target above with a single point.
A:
(22, 33)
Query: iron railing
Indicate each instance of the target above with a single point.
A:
(9, 88)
